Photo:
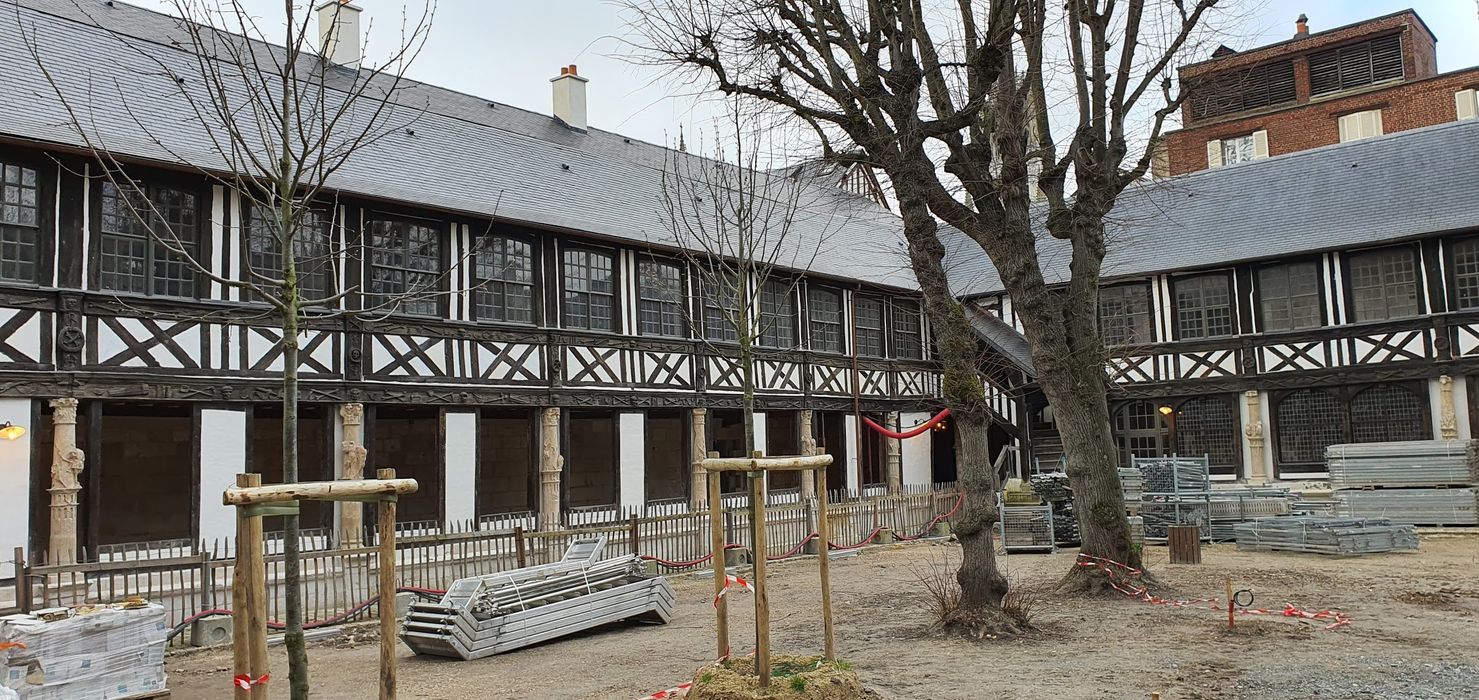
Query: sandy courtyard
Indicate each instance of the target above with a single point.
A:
(1415, 635)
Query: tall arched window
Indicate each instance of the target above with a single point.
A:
(1208, 425)
(1139, 430)
(1388, 413)
(1306, 422)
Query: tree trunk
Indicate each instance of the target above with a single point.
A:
(293, 638)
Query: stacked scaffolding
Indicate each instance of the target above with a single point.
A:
(1054, 489)
(1177, 491)
(1229, 507)
(1326, 535)
(497, 613)
(1419, 482)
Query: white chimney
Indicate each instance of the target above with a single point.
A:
(570, 97)
(338, 32)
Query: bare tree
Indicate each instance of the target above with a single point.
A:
(940, 95)
(273, 123)
(734, 220)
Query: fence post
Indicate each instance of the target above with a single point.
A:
(519, 550)
(207, 591)
(636, 535)
(22, 581)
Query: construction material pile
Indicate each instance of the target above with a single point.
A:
(1132, 486)
(1411, 464)
(1055, 490)
(1176, 492)
(497, 613)
(1326, 535)
(1027, 528)
(1172, 474)
(1228, 507)
(1410, 482)
(85, 652)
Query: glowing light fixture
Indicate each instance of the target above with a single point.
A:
(11, 431)
(1166, 410)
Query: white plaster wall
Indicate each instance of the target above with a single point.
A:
(850, 434)
(337, 463)
(15, 484)
(223, 455)
(1266, 408)
(632, 459)
(917, 452)
(760, 434)
(1461, 407)
(460, 451)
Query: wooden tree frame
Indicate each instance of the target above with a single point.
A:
(755, 468)
(253, 501)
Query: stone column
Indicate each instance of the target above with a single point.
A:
(551, 467)
(1447, 415)
(893, 454)
(698, 487)
(66, 468)
(352, 456)
(1254, 431)
(808, 449)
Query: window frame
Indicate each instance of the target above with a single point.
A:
(680, 306)
(895, 306)
(1344, 395)
(535, 284)
(882, 329)
(1261, 320)
(204, 245)
(442, 228)
(611, 254)
(792, 288)
(1149, 295)
(1342, 87)
(331, 275)
(1349, 288)
(46, 241)
(841, 324)
(1232, 305)
(1450, 284)
(1252, 148)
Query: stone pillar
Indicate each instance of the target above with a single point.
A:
(808, 449)
(352, 456)
(551, 467)
(698, 487)
(893, 459)
(1447, 415)
(1253, 429)
(66, 470)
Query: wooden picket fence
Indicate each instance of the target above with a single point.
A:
(338, 582)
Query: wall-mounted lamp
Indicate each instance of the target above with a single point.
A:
(11, 431)
(941, 426)
(1166, 410)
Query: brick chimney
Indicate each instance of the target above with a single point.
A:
(1301, 27)
(569, 92)
(338, 32)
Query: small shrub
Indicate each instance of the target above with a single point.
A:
(798, 684)
(937, 575)
(1019, 603)
(707, 677)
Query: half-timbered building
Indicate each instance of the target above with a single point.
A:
(554, 371)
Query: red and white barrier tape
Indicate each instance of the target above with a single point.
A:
(1117, 572)
(732, 581)
(677, 691)
(246, 682)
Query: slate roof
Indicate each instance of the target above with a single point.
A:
(1001, 337)
(1385, 189)
(467, 154)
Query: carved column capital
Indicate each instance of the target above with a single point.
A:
(352, 413)
(1447, 412)
(64, 411)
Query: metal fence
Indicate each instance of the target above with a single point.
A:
(339, 583)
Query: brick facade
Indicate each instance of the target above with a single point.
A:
(1421, 98)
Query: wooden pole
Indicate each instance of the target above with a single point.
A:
(716, 556)
(1230, 623)
(762, 604)
(519, 551)
(22, 581)
(635, 533)
(387, 591)
(249, 600)
(824, 535)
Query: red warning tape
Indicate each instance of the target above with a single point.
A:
(246, 682)
(732, 581)
(1118, 575)
(678, 691)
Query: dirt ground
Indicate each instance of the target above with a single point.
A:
(1415, 634)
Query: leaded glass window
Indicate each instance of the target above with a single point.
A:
(1238, 149)
(1124, 314)
(503, 271)
(1203, 307)
(1140, 430)
(824, 311)
(137, 221)
(907, 331)
(1306, 422)
(1384, 284)
(868, 326)
(311, 250)
(1289, 296)
(1388, 413)
(405, 262)
(20, 222)
(721, 306)
(660, 299)
(1466, 273)
(1208, 425)
(590, 291)
(778, 314)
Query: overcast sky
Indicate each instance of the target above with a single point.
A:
(507, 50)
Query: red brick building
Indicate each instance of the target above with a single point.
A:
(1374, 77)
